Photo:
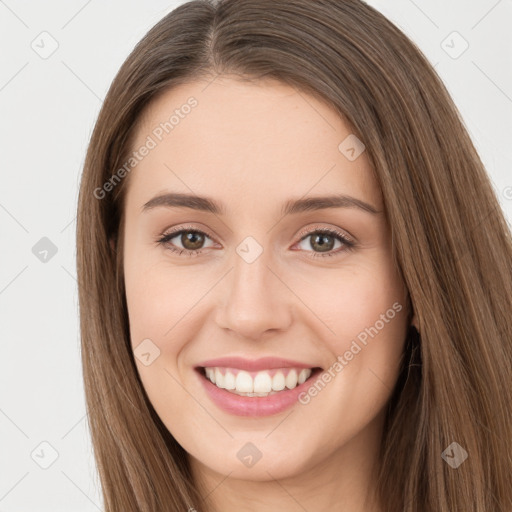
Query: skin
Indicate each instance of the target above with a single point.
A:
(252, 146)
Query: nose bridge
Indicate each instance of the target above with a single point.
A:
(251, 273)
(255, 299)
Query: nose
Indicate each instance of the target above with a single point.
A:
(254, 299)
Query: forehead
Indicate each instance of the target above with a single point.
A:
(243, 139)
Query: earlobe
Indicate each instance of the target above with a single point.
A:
(112, 244)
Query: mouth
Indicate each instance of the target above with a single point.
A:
(255, 393)
(259, 384)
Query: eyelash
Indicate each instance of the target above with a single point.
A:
(348, 243)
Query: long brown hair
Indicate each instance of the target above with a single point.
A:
(451, 244)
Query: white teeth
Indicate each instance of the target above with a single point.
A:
(244, 382)
(291, 379)
(219, 378)
(278, 381)
(262, 385)
(229, 381)
(303, 375)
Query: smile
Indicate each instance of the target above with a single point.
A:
(255, 393)
(262, 383)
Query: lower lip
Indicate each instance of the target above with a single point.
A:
(255, 405)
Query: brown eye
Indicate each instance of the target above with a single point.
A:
(192, 240)
(322, 242)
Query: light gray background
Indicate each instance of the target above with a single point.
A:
(48, 107)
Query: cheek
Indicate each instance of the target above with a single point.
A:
(353, 299)
(147, 304)
(158, 310)
(365, 310)
(157, 295)
(164, 303)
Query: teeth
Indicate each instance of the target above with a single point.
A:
(303, 375)
(229, 381)
(278, 382)
(291, 379)
(242, 383)
(219, 378)
(263, 383)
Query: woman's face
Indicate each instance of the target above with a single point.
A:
(265, 280)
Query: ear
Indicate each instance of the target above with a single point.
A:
(112, 242)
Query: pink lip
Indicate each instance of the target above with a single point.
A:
(265, 363)
(254, 406)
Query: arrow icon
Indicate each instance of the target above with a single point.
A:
(454, 455)
(146, 352)
(451, 456)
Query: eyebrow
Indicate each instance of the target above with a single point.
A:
(290, 207)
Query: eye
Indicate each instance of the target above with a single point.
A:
(323, 240)
(191, 241)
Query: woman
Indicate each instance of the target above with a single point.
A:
(294, 274)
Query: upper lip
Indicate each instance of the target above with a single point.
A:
(264, 363)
